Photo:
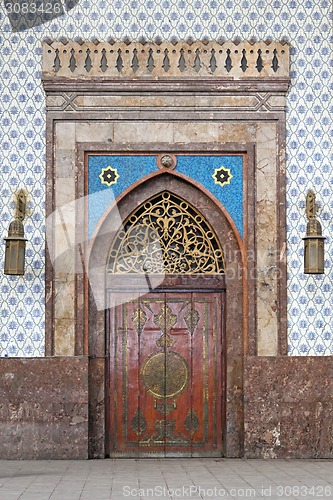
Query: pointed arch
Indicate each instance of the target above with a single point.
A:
(228, 238)
(166, 234)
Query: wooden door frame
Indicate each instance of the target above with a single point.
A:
(239, 304)
(171, 284)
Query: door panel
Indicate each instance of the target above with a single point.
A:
(166, 375)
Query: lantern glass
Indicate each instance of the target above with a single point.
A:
(321, 256)
(314, 255)
(15, 256)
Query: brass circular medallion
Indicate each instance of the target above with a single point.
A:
(166, 161)
(165, 375)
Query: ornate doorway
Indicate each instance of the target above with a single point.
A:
(166, 382)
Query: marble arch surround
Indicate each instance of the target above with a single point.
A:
(190, 113)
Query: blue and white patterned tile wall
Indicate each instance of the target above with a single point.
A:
(305, 25)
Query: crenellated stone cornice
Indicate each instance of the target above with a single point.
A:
(211, 62)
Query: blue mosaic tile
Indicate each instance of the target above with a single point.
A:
(201, 169)
(307, 26)
(130, 170)
(133, 168)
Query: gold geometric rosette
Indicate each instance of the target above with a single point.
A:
(165, 375)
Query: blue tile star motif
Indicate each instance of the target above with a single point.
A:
(222, 176)
(109, 176)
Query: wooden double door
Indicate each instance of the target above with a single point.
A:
(166, 377)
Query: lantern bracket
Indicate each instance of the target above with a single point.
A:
(21, 201)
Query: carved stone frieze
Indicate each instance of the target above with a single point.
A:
(135, 60)
(105, 78)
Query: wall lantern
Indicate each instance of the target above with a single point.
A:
(313, 241)
(15, 241)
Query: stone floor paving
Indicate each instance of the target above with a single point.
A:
(172, 479)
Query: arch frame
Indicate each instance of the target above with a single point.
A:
(178, 114)
(237, 301)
